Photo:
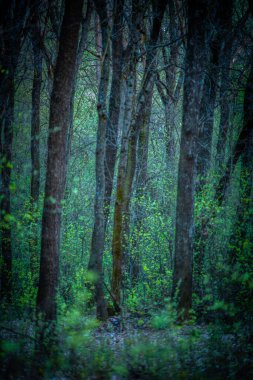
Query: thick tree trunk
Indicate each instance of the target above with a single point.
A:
(114, 104)
(98, 234)
(56, 164)
(194, 75)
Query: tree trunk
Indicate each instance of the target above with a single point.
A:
(225, 62)
(221, 17)
(121, 222)
(194, 75)
(114, 104)
(35, 122)
(98, 234)
(56, 164)
(120, 202)
(81, 48)
(141, 182)
(35, 137)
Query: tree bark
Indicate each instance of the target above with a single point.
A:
(120, 201)
(114, 103)
(56, 164)
(196, 58)
(98, 234)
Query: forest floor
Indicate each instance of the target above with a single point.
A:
(138, 346)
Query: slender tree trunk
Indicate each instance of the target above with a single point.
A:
(194, 75)
(221, 16)
(56, 164)
(114, 104)
(141, 182)
(120, 202)
(35, 122)
(98, 234)
(121, 223)
(81, 48)
(225, 62)
(35, 137)
(98, 45)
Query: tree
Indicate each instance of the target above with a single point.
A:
(98, 234)
(56, 163)
(36, 92)
(196, 58)
(139, 121)
(114, 102)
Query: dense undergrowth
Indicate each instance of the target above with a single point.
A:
(141, 343)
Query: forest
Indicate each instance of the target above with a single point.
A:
(126, 189)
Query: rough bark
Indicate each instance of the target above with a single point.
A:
(195, 60)
(98, 234)
(56, 163)
(114, 103)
